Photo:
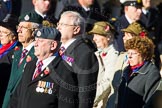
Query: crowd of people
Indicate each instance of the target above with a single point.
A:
(74, 54)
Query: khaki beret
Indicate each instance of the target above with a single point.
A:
(102, 28)
(135, 28)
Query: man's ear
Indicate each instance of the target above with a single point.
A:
(33, 1)
(54, 45)
(76, 29)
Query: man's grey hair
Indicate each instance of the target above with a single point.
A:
(78, 20)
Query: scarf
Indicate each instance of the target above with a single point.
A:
(6, 48)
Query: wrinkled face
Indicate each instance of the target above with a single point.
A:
(127, 36)
(133, 13)
(6, 36)
(134, 57)
(24, 32)
(42, 5)
(66, 27)
(146, 3)
(42, 47)
(101, 41)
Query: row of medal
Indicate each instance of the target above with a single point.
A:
(44, 87)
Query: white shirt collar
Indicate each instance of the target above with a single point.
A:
(68, 43)
(46, 62)
(144, 11)
(85, 8)
(29, 47)
(43, 15)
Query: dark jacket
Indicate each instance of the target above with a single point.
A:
(152, 24)
(16, 73)
(5, 67)
(155, 100)
(135, 91)
(65, 90)
(85, 65)
(121, 23)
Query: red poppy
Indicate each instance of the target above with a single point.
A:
(16, 48)
(28, 58)
(142, 34)
(104, 54)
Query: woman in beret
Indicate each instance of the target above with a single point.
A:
(8, 36)
(141, 77)
(104, 38)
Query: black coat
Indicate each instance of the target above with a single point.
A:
(137, 90)
(121, 23)
(5, 67)
(152, 24)
(71, 89)
(85, 65)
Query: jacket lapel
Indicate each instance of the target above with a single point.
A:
(50, 68)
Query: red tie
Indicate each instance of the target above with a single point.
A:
(23, 54)
(38, 69)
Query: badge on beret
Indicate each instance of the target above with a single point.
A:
(139, 1)
(26, 17)
(38, 33)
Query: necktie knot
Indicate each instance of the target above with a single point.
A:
(38, 69)
(23, 54)
(62, 50)
(40, 63)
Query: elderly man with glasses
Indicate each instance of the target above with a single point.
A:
(28, 23)
(79, 57)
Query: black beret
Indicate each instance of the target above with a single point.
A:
(48, 33)
(10, 22)
(31, 17)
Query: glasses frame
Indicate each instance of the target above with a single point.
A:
(63, 24)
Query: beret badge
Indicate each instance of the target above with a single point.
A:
(26, 17)
(38, 33)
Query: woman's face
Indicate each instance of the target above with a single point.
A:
(6, 35)
(101, 41)
(127, 36)
(134, 57)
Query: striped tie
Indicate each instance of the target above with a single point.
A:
(62, 50)
(38, 69)
(23, 54)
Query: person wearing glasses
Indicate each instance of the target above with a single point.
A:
(8, 40)
(28, 23)
(79, 57)
(8, 35)
(141, 77)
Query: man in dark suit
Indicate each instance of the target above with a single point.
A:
(38, 87)
(79, 56)
(44, 8)
(132, 13)
(28, 23)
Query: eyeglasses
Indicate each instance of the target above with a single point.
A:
(22, 27)
(62, 24)
(132, 53)
(2, 33)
